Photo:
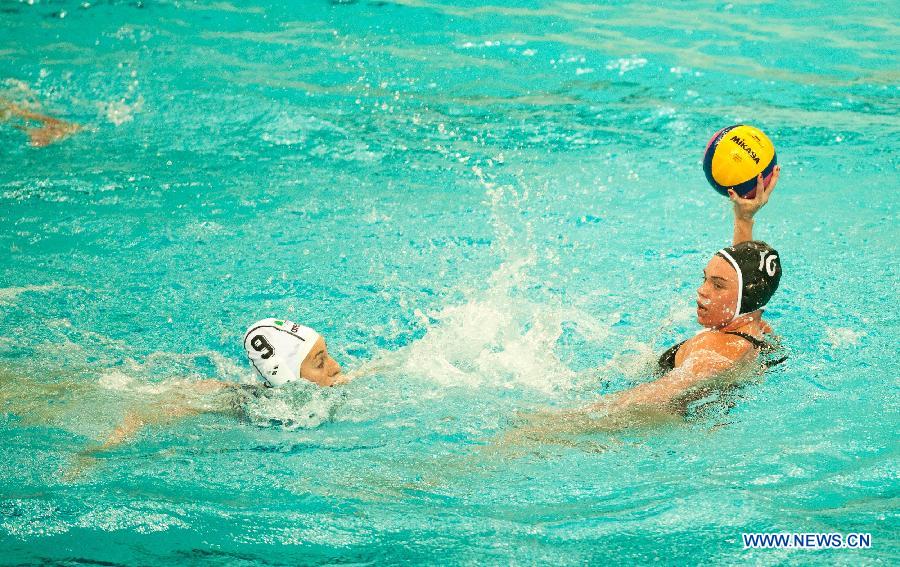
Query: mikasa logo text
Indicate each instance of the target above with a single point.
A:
(737, 140)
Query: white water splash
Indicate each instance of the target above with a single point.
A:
(291, 127)
(841, 337)
(120, 111)
(499, 339)
(625, 65)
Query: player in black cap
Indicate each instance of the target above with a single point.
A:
(737, 282)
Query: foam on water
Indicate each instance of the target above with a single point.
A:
(499, 339)
(9, 294)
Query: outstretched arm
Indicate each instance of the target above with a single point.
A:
(131, 424)
(744, 209)
(649, 404)
(698, 369)
(169, 408)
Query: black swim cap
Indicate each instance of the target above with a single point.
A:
(758, 269)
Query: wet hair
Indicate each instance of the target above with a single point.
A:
(758, 268)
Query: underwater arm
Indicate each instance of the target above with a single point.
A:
(662, 392)
(11, 110)
(132, 423)
(744, 209)
(647, 405)
(166, 410)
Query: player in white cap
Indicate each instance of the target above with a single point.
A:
(282, 351)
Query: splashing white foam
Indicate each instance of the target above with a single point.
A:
(299, 406)
(841, 337)
(498, 339)
(625, 65)
(290, 127)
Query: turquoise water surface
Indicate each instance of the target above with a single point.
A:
(499, 208)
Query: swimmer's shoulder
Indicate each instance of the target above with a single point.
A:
(714, 342)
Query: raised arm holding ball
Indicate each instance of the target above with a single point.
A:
(737, 283)
(740, 162)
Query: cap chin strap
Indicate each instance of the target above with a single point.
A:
(740, 277)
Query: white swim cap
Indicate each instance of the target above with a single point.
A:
(276, 347)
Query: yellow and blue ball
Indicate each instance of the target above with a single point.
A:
(735, 156)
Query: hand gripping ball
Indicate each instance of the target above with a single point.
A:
(735, 156)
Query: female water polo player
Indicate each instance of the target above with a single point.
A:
(280, 352)
(737, 283)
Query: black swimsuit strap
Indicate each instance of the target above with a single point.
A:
(761, 345)
(666, 362)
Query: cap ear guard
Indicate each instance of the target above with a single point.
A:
(270, 364)
(740, 278)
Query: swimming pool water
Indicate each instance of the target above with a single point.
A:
(500, 206)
